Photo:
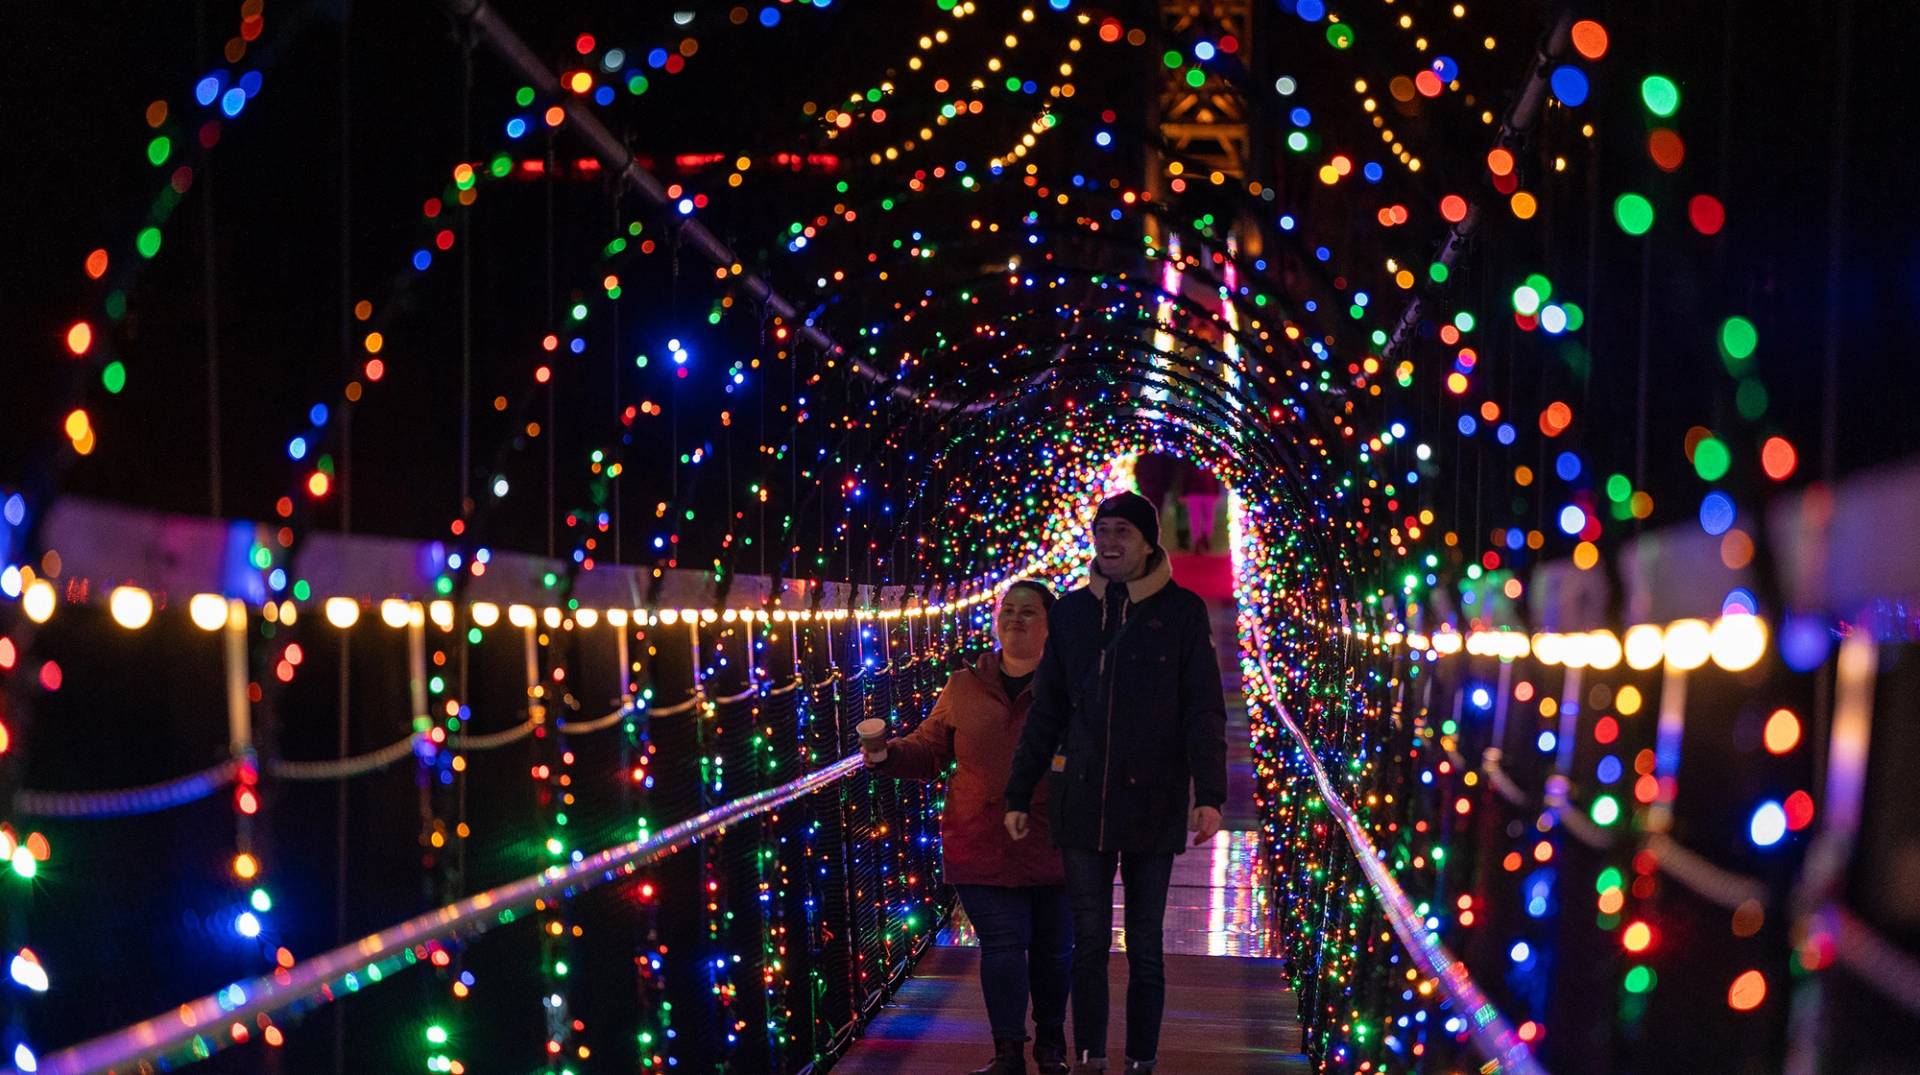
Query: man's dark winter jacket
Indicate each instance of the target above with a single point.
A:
(1127, 713)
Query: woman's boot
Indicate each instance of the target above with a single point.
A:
(1009, 1058)
(1050, 1050)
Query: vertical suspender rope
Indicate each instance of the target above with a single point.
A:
(239, 704)
(1668, 734)
(708, 855)
(617, 397)
(420, 718)
(233, 639)
(342, 742)
(1844, 790)
(733, 532)
(465, 498)
(851, 932)
(1836, 241)
(530, 653)
(760, 407)
(466, 282)
(210, 305)
(1640, 377)
(551, 386)
(1851, 713)
(623, 654)
(1593, 259)
(673, 383)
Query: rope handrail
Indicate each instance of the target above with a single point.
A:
(677, 708)
(493, 740)
(179, 791)
(1707, 880)
(1694, 871)
(1582, 829)
(588, 727)
(1893, 973)
(310, 981)
(343, 768)
(1501, 782)
(1492, 1035)
(729, 699)
(128, 802)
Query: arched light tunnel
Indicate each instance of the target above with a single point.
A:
(466, 470)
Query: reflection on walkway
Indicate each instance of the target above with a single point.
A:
(1223, 1017)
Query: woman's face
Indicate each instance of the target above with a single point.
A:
(1021, 623)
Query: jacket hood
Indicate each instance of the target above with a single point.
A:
(1159, 574)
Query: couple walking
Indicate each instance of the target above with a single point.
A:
(1112, 693)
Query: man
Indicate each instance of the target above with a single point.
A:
(1127, 712)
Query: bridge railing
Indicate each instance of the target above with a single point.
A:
(768, 919)
(1490, 1033)
(378, 955)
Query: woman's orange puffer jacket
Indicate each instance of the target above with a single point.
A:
(975, 724)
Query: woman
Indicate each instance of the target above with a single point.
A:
(1202, 497)
(1014, 893)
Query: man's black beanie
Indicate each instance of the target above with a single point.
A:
(1135, 509)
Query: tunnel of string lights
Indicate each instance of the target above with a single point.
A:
(473, 464)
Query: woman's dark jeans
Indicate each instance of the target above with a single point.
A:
(1090, 886)
(1025, 946)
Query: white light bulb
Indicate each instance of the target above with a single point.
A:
(1738, 641)
(131, 606)
(1687, 644)
(38, 601)
(342, 612)
(208, 611)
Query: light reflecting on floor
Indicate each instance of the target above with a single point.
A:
(1216, 904)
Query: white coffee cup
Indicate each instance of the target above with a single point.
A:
(873, 737)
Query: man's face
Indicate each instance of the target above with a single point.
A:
(1120, 549)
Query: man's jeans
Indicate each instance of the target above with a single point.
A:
(1024, 939)
(1090, 887)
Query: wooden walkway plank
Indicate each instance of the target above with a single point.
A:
(1225, 1015)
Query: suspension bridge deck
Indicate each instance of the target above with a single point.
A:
(1225, 1015)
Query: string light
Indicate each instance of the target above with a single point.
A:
(1340, 559)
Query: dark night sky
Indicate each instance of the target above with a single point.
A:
(79, 74)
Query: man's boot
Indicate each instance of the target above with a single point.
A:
(1140, 1067)
(1050, 1050)
(1009, 1058)
(1087, 1063)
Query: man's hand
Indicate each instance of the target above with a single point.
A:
(874, 757)
(1205, 824)
(1017, 824)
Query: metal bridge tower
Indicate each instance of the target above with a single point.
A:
(1209, 128)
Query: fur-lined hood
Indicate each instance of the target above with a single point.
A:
(1159, 574)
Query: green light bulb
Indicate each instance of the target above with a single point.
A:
(1660, 95)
